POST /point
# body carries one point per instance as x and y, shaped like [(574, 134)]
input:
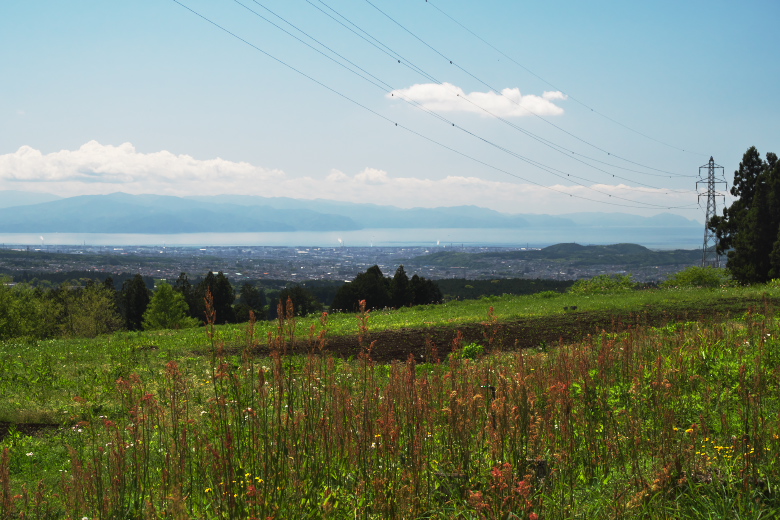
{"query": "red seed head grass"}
[(629, 422)]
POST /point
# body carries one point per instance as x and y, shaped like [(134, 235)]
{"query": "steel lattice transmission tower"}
[(709, 256)]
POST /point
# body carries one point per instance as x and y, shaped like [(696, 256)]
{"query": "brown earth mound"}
[(25, 428)]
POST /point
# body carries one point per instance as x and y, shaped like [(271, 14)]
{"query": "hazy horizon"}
[(517, 107)]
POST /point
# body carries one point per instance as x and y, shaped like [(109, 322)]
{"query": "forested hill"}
[(575, 255)]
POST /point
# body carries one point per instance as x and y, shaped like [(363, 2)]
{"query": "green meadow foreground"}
[(637, 420)]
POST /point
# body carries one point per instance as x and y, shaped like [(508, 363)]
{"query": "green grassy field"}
[(678, 421)]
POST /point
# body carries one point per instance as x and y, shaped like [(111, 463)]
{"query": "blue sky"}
[(147, 97)]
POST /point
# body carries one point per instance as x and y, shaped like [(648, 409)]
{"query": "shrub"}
[(696, 276), (774, 283), (470, 351), (167, 310), (604, 283)]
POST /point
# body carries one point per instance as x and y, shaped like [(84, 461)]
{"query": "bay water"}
[(688, 237)]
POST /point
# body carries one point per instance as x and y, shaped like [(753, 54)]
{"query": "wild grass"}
[(676, 422), (39, 378)]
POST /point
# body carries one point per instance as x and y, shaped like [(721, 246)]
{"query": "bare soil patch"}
[(25, 428), (531, 332)]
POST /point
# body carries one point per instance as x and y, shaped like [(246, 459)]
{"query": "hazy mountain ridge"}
[(153, 214), (14, 198), (163, 214)]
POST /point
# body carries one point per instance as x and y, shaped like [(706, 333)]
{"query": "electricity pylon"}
[(709, 256)]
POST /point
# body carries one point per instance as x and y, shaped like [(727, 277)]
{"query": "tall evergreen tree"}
[(425, 291), (749, 230), (134, 299), (370, 286), (380, 292), (223, 294), (194, 301), (401, 293), (304, 302), (250, 298)]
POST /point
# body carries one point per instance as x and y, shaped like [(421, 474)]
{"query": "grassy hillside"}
[(628, 255), (668, 411)]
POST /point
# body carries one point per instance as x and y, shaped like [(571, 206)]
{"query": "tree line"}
[(89, 307), (379, 292)]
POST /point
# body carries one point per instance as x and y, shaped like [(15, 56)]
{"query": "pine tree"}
[(304, 302), (401, 293), (425, 291), (380, 292), (370, 286), (749, 230), (223, 294), (194, 302), (250, 298), (134, 299)]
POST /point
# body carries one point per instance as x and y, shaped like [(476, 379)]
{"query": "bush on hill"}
[(696, 276), (604, 283)]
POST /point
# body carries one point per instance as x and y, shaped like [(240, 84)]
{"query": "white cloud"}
[(510, 102), (337, 176), (372, 176), (554, 94), (97, 169)]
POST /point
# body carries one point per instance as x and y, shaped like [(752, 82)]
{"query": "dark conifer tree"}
[(425, 291), (370, 286), (194, 301), (250, 298), (304, 302), (134, 299), (749, 230), (223, 294), (346, 299), (380, 292), (401, 293)]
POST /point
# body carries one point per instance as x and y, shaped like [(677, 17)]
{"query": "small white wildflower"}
[(30, 454)]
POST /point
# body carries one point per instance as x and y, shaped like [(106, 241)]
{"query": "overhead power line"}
[(634, 204), (374, 79), (576, 100), (488, 85), (562, 149)]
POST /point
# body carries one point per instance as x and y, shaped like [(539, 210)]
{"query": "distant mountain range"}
[(12, 198), (26, 212)]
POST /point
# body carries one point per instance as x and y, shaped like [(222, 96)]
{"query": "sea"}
[(688, 237)]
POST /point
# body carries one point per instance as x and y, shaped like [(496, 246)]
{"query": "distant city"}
[(328, 263)]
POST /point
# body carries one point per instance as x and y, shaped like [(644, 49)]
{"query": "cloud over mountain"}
[(97, 164), (95, 169)]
